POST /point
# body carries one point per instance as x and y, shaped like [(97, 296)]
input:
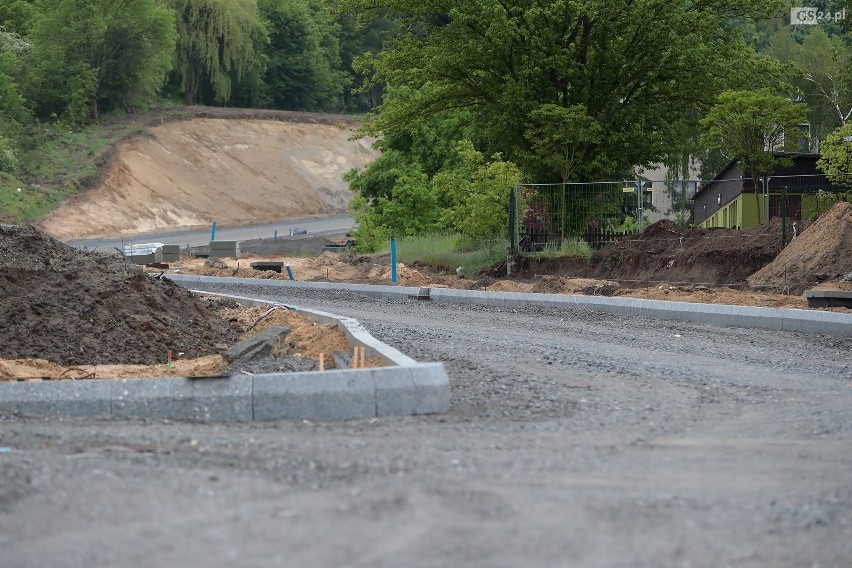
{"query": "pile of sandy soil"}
[(230, 170), (331, 267), (822, 252), (72, 307)]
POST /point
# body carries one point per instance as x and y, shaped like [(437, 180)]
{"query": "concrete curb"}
[(781, 319), (406, 387)]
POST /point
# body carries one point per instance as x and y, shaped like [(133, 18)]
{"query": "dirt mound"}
[(234, 171), (823, 251), (667, 253), (73, 307)]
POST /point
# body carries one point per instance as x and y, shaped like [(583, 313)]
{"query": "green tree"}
[(836, 158), (479, 191), (12, 104), (644, 70), (216, 43), (361, 38), (559, 137), (88, 53), (12, 50), (820, 72), (752, 126), (16, 16), (303, 70)]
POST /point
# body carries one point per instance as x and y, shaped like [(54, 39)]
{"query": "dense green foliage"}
[(468, 98), (64, 63), (753, 126), (87, 53), (836, 159)]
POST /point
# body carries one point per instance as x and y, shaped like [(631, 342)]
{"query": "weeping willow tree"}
[(216, 41)]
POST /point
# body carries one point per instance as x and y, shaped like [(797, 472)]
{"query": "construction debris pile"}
[(75, 307)]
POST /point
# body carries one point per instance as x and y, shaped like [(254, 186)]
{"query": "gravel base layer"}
[(574, 439)]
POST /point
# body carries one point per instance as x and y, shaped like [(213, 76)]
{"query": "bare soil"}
[(72, 314), (73, 307), (719, 266), (232, 168)]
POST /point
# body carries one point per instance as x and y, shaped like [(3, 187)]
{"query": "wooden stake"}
[(355, 357), (322, 361), (363, 357)]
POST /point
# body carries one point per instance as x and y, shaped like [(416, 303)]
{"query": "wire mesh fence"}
[(569, 217), (553, 217)]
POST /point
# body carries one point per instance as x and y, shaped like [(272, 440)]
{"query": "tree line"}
[(71, 60), (586, 90), (465, 98)]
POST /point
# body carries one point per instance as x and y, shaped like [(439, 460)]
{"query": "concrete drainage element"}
[(828, 299), (422, 294), (222, 249), (267, 265), (403, 388)]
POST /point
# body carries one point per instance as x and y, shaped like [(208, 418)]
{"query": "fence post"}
[(783, 216), (639, 204), (513, 220), (765, 199)]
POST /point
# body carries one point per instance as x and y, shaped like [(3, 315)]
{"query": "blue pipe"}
[(290, 272), (393, 260), (213, 232)]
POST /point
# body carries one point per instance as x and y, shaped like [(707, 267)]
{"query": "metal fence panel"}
[(552, 217)]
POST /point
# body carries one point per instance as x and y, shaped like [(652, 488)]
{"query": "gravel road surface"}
[(574, 439)]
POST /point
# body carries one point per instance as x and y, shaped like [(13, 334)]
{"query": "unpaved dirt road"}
[(574, 439)]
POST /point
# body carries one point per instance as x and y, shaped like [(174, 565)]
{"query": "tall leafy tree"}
[(86, 53), (303, 69), (12, 104), (752, 126), (641, 69), (820, 72), (216, 43)]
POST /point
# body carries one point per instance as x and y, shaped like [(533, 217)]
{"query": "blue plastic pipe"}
[(393, 261), (275, 235), (290, 272), (213, 232)]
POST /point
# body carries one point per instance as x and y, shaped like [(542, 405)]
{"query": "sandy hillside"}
[(236, 172)]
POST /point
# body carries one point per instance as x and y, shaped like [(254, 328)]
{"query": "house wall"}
[(739, 213), (718, 194), (712, 205)]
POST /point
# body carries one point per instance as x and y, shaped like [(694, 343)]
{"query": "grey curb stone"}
[(330, 395), (71, 399), (405, 387), (197, 400), (782, 319)]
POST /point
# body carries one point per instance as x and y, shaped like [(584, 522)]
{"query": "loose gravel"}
[(574, 439)]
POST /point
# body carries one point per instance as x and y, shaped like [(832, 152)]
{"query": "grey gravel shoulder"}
[(780, 319)]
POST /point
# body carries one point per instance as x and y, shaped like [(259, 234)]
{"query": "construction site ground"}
[(574, 438)]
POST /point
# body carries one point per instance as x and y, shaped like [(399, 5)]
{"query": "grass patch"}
[(56, 161), (446, 252), (578, 248)]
